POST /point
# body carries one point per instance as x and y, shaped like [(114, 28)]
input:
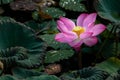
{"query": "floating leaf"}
[(62, 51), (110, 26), (33, 25), (108, 9), (114, 76), (44, 77), (14, 34), (57, 55), (111, 49), (73, 5), (9, 56), (50, 27), (116, 50), (7, 77), (43, 27), (22, 73), (89, 73), (35, 15), (50, 40), (110, 65), (54, 12)]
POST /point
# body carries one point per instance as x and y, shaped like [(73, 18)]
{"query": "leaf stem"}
[(116, 41), (102, 46)]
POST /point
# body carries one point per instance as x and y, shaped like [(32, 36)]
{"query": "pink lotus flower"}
[(85, 30)]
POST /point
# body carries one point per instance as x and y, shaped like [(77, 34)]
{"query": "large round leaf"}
[(111, 65), (44, 77), (14, 34), (89, 73), (57, 55), (7, 77), (108, 9), (22, 73)]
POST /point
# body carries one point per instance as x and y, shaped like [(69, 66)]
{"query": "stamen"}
[(78, 30)]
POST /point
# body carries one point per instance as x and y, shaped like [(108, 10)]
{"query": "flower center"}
[(78, 30)]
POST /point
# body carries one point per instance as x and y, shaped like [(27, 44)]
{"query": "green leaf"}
[(9, 56), (44, 77), (111, 49), (54, 12), (73, 5), (89, 73), (108, 9), (114, 76), (22, 73), (50, 40), (43, 27), (49, 27), (7, 77), (61, 51), (116, 50), (57, 55), (110, 26), (33, 25), (35, 15), (15, 34), (110, 65)]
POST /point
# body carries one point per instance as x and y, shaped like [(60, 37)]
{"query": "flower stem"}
[(80, 59)]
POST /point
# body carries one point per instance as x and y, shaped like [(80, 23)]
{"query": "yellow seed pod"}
[(53, 69)]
